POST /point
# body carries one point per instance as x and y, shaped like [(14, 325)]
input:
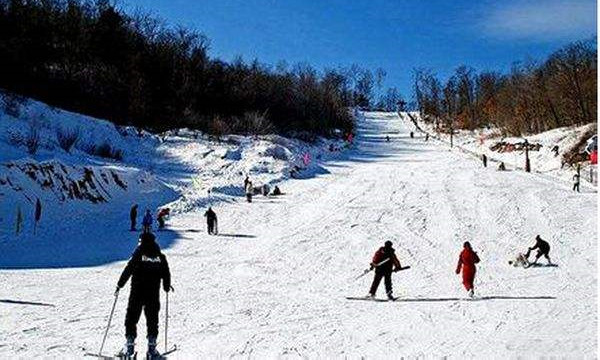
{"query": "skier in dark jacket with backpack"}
[(147, 267), (384, 262), (211, 221)]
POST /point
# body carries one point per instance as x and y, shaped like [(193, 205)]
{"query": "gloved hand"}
[(117, 290), (372, 266), (170, 288)]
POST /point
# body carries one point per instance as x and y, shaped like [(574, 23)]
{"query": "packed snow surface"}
[(273, 283)]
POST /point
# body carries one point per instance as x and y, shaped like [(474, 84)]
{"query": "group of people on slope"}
[(385, 262), (147, 220)]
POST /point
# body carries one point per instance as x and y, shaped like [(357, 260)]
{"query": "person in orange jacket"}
[(467, 260)]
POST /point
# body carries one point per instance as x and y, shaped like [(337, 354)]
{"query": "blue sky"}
[(394, 35)]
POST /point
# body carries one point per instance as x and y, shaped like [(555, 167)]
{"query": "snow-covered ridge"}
[(86, 167)]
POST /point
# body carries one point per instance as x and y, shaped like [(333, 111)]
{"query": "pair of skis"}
[(133, 357), (366, 271)]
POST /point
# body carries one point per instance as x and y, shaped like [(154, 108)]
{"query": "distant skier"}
[(387, 138), (427, 137), (543, 248), (147, 267), (412, 134), (249, 191), (502, 167), (484, 160), (19, 221), (466, 261), (246, 181), (147, 222), (211, 221), (384, 262), (133, 216), (162, 215), (576, 178), (37, 215)]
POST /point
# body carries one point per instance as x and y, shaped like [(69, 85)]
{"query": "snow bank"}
[(108, 168)]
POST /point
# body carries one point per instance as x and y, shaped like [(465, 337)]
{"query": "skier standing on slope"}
[(133, 216), (147, 222), (147, 267), (576, 178), (543, 248), (211, 221), (385, 262), (249, 191), (467, 260)]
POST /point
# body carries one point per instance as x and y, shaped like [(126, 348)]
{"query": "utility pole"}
[(451, 133), (527, 163)]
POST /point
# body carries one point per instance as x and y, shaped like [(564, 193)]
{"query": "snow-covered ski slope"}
[(273, 283)]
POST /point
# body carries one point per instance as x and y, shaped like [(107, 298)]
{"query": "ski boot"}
[(128, 352), (471, 293), (152, 353), (391, 297)]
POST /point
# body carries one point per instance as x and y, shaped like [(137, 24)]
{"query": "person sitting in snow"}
[(277, 191), (147, 222), (211, 221), (466, 262), (146, 268), (543, 248), (384, 262), (520, 260), (501, 167)]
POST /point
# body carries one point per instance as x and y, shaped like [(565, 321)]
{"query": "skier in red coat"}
[(467, 260)]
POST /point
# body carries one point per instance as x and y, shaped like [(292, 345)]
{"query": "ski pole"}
[(166, 319), (112, 311)]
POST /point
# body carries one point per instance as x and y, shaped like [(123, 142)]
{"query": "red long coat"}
[(467, 260)]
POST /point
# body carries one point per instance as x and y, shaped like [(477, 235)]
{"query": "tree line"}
[(132, 69), (533, 97)]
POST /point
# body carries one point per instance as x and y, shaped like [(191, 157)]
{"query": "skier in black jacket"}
[(147, 267), (211, 221), (543, 248)]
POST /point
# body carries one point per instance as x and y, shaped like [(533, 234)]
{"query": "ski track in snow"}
[(274, 283)]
